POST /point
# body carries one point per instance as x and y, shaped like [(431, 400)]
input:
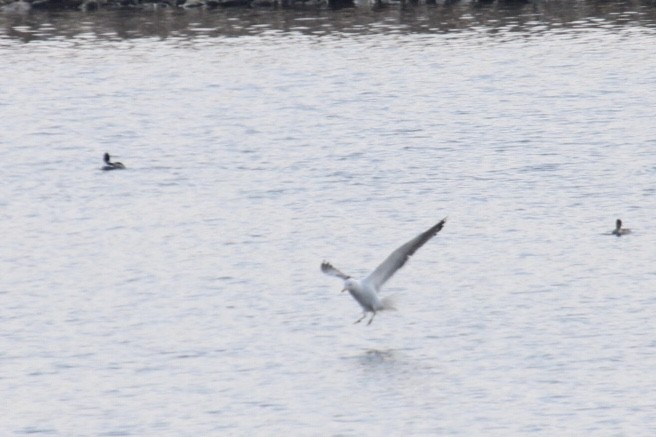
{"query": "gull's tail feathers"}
[(389, 303)]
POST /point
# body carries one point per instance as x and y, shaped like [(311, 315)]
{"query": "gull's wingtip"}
[(329, 269)]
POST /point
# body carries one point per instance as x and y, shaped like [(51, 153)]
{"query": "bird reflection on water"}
[(378, 356)]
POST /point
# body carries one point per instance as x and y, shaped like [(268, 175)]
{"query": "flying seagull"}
[(619, 230), (365, 291)]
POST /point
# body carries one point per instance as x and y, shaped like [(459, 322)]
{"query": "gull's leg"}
[(372, 318), (364, 314)]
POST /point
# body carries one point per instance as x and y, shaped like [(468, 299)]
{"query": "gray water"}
[(183, 297)]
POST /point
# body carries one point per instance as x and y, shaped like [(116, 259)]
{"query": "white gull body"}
[(365, 291)]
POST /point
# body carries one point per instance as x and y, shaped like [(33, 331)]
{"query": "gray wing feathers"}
[(400, 256), (328, 269)]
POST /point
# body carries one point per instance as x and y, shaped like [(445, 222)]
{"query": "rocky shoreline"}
[(19, 6), (91, 5)]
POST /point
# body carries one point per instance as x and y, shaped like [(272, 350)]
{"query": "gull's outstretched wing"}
[(328, 269), (400, 256)]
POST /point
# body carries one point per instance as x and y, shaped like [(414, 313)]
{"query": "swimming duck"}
[(111, 165), (619, 231)]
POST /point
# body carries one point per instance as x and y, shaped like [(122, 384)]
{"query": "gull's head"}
[(350, 284), (618, 224)]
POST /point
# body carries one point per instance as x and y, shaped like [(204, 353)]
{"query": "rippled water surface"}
[(182, 296)]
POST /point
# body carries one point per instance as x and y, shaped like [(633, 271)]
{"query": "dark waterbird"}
[(619, 230), (111, 165)]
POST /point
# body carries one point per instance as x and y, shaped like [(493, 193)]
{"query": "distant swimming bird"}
[(619, 231), (111, 165), (365, 291)]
